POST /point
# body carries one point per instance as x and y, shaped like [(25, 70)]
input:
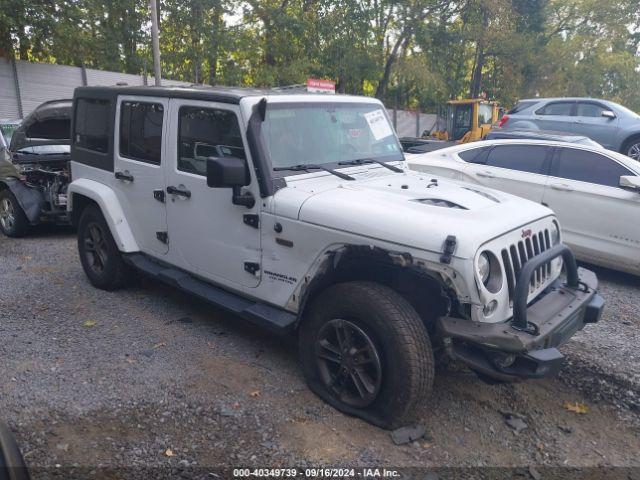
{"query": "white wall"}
[(40, 82)]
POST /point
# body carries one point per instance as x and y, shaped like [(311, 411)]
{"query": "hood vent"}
[(437, 202), (484, 194)]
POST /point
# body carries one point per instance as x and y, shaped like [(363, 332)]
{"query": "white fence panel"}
[(168, 83), (407, 122), (8, 97), (101, 77), (40, 82)]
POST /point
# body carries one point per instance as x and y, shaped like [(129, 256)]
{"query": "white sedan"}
[(594, 192)]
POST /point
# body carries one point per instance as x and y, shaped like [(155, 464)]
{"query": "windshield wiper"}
[(364, 161), (306, 168)]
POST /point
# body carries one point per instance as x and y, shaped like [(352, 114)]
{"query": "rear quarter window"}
[(473, 155), (92, 124), (92, 131), (520, 106)]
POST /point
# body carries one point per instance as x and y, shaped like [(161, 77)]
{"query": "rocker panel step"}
[(261, 314)]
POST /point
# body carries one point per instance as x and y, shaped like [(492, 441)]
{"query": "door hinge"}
[(252, 267), (251, 219), (159, 195), (163, 237)]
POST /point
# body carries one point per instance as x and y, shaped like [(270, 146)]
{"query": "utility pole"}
[(155, 41)]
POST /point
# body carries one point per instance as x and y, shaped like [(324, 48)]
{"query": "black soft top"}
[(198, 92)]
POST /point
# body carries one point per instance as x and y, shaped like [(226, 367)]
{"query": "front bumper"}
[(525, 347)]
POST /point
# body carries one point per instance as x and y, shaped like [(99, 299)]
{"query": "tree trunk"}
[(476, 78), (382, 85), (196, 31), (213, 43)]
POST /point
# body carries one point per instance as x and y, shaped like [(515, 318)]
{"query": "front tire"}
[(13, 221), (365, 351), (632, 148), (101, 260)]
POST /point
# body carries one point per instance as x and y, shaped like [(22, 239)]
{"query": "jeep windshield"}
[(328, 133)]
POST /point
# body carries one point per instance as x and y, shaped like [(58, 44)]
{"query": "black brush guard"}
[(521, 294), (525, 345)]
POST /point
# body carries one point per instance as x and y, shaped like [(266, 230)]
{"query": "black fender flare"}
[(30, 200)]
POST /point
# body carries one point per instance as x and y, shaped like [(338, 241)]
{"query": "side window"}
[(556, 108), (485, 113), (473, 155), (92, 124), (141, 131), (585, 166), (585, 109), (525, 158), (204, 133)]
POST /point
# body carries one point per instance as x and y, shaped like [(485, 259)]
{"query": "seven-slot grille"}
[(516, 255)]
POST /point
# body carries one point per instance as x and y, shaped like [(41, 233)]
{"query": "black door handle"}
[(171, 190), (124, 176)]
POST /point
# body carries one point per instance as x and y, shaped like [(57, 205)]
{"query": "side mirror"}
[(230, 172), (630, 182), (226, 172), (608, 114)]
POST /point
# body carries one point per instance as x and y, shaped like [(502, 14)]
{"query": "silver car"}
[(611, 125)]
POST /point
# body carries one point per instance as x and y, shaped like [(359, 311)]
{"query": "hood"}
[(410, 209), (48, 124)]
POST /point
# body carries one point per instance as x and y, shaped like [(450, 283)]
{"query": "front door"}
[(516, 169), (207, 232), (140, 152), (590, 122), (598, 218)]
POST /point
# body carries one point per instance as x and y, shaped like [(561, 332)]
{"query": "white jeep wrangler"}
[(298, 213)]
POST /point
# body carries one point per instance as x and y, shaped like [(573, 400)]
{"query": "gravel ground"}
[(149, 378)]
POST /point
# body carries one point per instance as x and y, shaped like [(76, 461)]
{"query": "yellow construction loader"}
[(467, 120)]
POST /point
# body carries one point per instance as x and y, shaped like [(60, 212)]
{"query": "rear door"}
[(599, 219), (557, 116), (589, 122), (141, 126), (518, 169)]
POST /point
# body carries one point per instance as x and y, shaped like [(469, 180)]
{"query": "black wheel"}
[(13, 221), (12, 466), (632, 148), (101, 260), (365, 351)]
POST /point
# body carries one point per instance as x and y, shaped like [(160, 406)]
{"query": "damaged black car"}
[(33, 182)]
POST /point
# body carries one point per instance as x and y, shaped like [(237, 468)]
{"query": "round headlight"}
[(484, 267), (555, 233)]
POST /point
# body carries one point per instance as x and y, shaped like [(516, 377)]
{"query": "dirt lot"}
[(149, 378)]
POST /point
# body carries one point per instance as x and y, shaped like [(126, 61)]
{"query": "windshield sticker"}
[(282, 113), (355, 132), (378, 124)]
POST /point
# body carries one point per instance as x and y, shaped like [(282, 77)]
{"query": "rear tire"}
[(386, 371), (101, 260), (13, 221)]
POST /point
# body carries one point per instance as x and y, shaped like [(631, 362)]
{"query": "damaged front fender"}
[(323, 269), (30, 200)]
